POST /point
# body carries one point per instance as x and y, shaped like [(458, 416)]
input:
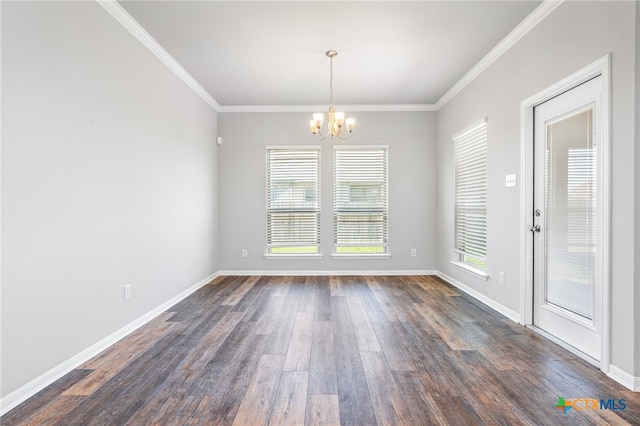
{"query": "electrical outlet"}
[(500, 277), (414, 252), (245, 253), (127, 292)]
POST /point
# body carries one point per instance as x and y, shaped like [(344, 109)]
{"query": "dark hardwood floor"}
[(329, 350)]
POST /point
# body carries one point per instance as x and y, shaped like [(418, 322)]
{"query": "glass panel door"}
[(566, 292), (570, 209)]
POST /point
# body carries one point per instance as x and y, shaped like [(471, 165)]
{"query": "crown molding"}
[(530, 22), (127, 21), (316, 108)]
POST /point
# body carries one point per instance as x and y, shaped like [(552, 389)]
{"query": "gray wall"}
[(412, 173), (573, 36), (108, 178), (637, 186)]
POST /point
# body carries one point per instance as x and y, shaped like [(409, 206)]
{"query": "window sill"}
[(361, 256), (480, 273), (285, 256)]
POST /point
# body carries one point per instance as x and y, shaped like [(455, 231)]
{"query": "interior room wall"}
[(637, 187), (573, 36), (108, 178), (412, 173)]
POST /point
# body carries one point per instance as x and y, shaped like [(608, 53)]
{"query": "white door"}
[(567, 296)]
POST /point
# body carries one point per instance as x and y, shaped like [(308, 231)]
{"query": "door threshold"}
[(565, 345)]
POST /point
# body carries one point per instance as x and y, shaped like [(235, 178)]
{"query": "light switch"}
[(510, 180)]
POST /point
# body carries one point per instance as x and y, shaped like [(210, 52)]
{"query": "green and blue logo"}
[(582, 404)]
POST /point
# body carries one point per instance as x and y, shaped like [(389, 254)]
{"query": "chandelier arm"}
[(340, 137), (321, 137)]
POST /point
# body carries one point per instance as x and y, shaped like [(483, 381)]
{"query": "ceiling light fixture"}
[(336, 119)]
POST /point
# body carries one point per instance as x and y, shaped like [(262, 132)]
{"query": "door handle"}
[(535, 228)]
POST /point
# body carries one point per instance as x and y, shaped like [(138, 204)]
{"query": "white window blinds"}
[(293, 200), (470, 150), (360, 199)]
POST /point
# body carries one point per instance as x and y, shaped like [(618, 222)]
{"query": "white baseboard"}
[(325, 273), (625, 379), (20, 395), (512, 315)]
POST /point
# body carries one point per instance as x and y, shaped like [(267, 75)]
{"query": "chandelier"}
[(336, 120)]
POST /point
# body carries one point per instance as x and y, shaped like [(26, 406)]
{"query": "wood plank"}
[(355, 403), (322, 308), (357, 288), (385, 396), (308, 299), (227, 376), (299, 353), (126, 392), (266, 323), (386, 301), (336, 286), (323, 410), (47, 402), (365, 336), (211, 342), (253, 298), (278, 342), (290, 404), (165, 399), (142, 338), (441, 327), (281, 285), (258, 400), (393, 344), (421, 405), (340, 316), (322, 365), (240, 292)]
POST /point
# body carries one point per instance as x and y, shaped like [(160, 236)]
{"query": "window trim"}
[(473, 270), (386, 254), (283, 256), (460, 255)]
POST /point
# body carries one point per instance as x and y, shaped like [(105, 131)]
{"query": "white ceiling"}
[(273, 53)]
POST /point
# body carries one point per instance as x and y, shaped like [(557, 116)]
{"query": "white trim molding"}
[(289, 256), (339, 273), (131, 25), (316, 108), (25, 392), (500, 308), (470, 269), (370, 256), (625, 379), (529, 23)]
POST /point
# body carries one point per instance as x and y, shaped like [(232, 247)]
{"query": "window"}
[(470, 153), (293, 200), (360, 200)]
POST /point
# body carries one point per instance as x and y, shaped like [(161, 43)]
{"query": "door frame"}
[(600, 67)]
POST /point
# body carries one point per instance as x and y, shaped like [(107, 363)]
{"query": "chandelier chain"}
[(331, 80)]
